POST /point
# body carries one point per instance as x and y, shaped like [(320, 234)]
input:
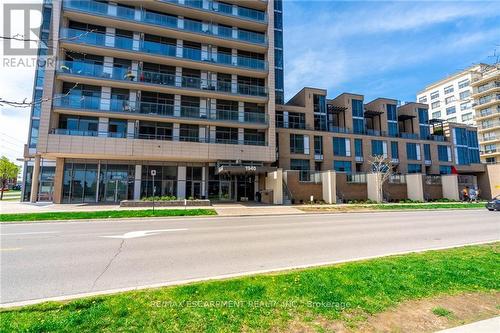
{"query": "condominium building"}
[(486, 95), (316, 134), (450, 99), (185, 98), (182, 87)]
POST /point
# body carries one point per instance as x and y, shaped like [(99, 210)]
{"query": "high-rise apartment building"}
[(184, 87), (486, 95), (450, 99)]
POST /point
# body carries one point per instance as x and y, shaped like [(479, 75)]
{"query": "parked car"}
[(494, 204)]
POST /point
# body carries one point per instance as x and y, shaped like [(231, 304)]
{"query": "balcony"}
[(166, 21), (145, 136), (224, 9), (488, 126), (156, 78), (487, 113), (487, 87), (97, 104), (164, 50), (488, 151)]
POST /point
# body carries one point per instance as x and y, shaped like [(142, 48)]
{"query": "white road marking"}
[(142, 233), (30, 233)]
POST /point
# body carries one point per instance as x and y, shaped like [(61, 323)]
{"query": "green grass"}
[(107, 214), (442, 312), (349, 292), (456, 205)]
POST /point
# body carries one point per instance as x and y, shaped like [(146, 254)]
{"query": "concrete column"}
[(234, 57), (202, 132), (112, 9), (102, 129), (180, 22), (212, 134), (181, 182), (109, 39), (373, 184), (204, 182), (35, 179), (241, 112), (235, 33), (274, 182), (241, 136), (204, 52), (415, 186), (177, 105), (176, 131), (450, 187), (329, 186), (108, 66), (135, 69), (204, 80), (131, 129), (105, 98), (136, 42), (203, 108), (285, 119), (234, 83), (58, 180), (137, 182), (179, 49), (133, 101), (137, 14), (178, 76)]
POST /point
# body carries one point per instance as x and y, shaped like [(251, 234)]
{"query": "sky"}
[(374, 48)]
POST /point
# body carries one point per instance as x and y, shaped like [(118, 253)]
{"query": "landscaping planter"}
[(169, 203)]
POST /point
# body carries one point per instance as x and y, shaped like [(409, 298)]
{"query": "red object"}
[(454, 170)]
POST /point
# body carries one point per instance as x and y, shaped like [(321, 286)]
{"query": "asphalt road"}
[(42, 260)]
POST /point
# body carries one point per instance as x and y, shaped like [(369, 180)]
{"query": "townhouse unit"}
[(486, 95), (450, 99), (184, 87), (316, 134)]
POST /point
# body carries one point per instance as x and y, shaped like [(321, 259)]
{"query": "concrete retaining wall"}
[(170, 203)]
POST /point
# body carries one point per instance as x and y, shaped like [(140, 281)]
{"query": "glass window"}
[(427, 152), (318, 145), (422, 99), (449, 100), (296, 143), (342, 166), (358, 126), (411, 151), (357, 108), (443, 153), (435, 105), (358, 147), (450, 110), (393, 128), (394, 149), (414, 168), (448, 90), (444, 169), (436, 115), (463, 83), (467, 117), (340, 147), (377, 148), (391, 112), (465, 94), (434, 95)]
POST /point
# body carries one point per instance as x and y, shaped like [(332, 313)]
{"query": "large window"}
[(342, 166), (444, 169), (444, 153), (341, 147), (358, 147), (379, 148), (318, 145), (357, 108), (297, 144), (302, 166), (427, 152), (394, 149), (413, 151), (414, 168), (165, 180), (391, 112)]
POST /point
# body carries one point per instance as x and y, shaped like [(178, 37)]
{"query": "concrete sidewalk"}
[(223, 209), (484, 326)]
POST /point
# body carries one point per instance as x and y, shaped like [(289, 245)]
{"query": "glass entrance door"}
[(116, 190), (245, 188)]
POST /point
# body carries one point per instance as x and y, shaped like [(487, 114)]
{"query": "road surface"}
[(44, 260)]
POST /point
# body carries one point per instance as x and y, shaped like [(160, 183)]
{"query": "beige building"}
[(450, 99), (486, 95), (185, 88)]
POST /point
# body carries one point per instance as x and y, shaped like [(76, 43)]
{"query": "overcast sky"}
[(379, 49)]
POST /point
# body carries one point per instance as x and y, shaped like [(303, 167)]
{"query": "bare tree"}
[(383, 167)]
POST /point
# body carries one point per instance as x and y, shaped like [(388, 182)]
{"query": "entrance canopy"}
[(244, 169)]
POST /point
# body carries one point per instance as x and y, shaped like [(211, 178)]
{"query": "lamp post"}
[(153, 174)]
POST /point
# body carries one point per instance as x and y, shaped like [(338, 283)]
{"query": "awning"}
[(244, 169)]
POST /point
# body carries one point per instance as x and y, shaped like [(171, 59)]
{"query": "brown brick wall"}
[(349, 191), (302, 191)]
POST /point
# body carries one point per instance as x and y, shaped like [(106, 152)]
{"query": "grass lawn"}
[(348, 293), (107, 214), (394, 206)]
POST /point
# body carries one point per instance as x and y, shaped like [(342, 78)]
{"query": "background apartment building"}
[(450, 99), (486, 95), (184, 87)]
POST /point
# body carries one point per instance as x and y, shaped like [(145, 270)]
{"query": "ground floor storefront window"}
[(94, 182)]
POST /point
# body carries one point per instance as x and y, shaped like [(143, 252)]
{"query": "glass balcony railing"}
[(224, 9), (167, 50), (168, 21), (126, 74), (96, 103)]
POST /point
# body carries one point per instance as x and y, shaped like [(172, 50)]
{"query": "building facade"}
[(450, 99), (185, 98), (486, 95), (182, 87)]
